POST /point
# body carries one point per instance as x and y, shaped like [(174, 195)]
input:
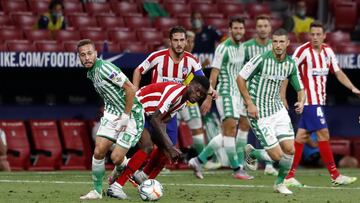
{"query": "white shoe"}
[(250, 163), (343, 180), (115, 190), (292, 182), (196, 166), (210, 165), (139, 177), (93, 194), (281, 188), (270, 170)]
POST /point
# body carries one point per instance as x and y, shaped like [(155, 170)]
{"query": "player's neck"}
[(316, 48), (279, 57), (176, 57), (261, 41)]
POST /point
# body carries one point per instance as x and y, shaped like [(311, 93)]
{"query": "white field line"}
[(182, 184)]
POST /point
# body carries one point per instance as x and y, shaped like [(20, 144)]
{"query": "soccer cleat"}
[(93, 194), (292, 182), (282, 189), (115, 190), (210, 165), (343, 180), (196, 166), (270, 170), (139, 176), (250, 163), (242, 175)]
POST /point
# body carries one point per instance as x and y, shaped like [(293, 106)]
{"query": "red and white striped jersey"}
[(314, 68), (164, 68), (165, 96)]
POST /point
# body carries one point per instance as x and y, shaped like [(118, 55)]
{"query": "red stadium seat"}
[(123, 7), (17, 144), (10, 34), (204, 8), (276, 23), (348, 48), (46, 145), (304, 37), (202, 1), (70, 46), (175, 1), (122, 36), (255, 9), (218, 23), (356, 148), (49, 46), (72, 7), (231, 9), (112, 46), (11, 6), (340, 146), (96, 8), (137, 22), (67, 35), (346, 16), (250, 33), (82, 21), (136, 47), (33, 35), (3, 47), (107, 22), (292, 47), (5, 20), (18, 46), (185, 22), (24, 20), (213, 15), (165, 23), (94, 35), (39, 7), (335, 38), (292, 37), (76, 145), (250, 24), (177, 8), (150, 37)]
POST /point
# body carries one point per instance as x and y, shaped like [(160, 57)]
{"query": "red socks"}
[(134, 164), (328, 158), (297, 158), (156, 163)]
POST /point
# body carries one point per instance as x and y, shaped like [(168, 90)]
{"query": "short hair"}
[(84, 42), (236, 19), (190, 33), (263, 17), (317, 24), (280, 31), (202, 80), (53, 3), (177, 29)]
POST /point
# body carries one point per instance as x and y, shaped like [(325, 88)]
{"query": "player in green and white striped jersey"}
[(123, 119), (227, 63), (258, 45), (268, 116)]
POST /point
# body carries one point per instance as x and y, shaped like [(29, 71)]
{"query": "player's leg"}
[(191, 114), (242, 138), (4, 164)]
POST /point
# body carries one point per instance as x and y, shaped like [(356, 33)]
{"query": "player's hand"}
[(252, 111), (173, 154), (356, 91), (206, 105), (122, 122), (299, 107), (213, 93)]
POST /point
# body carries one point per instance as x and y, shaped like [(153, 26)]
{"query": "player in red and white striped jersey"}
[(160, 101), (314, 60)]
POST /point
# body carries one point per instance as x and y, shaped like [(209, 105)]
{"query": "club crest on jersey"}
[(113, 75), (185, 70)]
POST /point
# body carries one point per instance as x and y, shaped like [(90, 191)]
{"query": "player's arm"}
[(283, 93), (130, 91), (296, 82), (144, 67), (343, 79), (136, 78)]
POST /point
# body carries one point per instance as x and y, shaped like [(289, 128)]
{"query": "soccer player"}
[(314, 60), (4, 164), (267, 114), (258, 45), (228, 60), (160, 101), (123, 119)]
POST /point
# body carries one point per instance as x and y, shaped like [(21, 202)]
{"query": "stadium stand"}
[(97, 8), (122, 36), (340, 146), (67, 35), (15, 5), (39, 7), (33, 35), (107, 22), (346, 16), (49, 46), (20, 46)]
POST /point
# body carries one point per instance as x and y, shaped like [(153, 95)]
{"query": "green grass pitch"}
[(179, 186)]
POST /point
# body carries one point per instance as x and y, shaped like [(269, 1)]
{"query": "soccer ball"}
[(151, 190)]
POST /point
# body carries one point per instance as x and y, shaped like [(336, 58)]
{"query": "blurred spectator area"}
[(126, 26)]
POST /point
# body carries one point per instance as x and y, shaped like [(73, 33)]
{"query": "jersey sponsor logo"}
[(185, 70), (320, 71), (169, 79), (274, 77)]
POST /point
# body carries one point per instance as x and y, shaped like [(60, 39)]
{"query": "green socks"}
[(241, 141), (229, 145), (98, 172), (198, 142), (212, 146), (284, 167)]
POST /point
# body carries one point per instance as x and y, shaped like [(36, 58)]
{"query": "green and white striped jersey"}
[(108, 81), (264, 75), (252, 48), (229, 59)]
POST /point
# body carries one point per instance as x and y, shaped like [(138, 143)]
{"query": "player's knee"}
[(275, 156), (147, 149), (99, 153), (116, 158)]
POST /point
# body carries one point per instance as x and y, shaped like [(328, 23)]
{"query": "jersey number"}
[(319, 112)]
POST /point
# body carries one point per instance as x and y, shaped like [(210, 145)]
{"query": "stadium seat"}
[(11, 6), (39, 7), (348, 48), (135, 47), (165, 23), (340, 146), (292, 37), (356, 148), (150, 37), (3, 47), (17, 144), (82, 21), (72, 7), (96, 8), (5, 20), (10, 34), (76, 145), (346, 16), (255, 9), (107, 22), (19, 46), (292, 47), (95, 35), (335, 38), (174, 1), (111, 46), (177, 8), (185, 22), (276, 23), (204, 7), (218, 23), (122, 36), (123, 7), (250, 24), (213, 15), (49, 46), (33, 35), (230, 9), (70, 46), (202, 1), (137, 22), (250, 33), (46, 146), (304, 37), (24, 20), (67, 35)]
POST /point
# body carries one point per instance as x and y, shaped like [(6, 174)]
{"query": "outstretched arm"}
[(206, 105), (136, 78), (340, 75)]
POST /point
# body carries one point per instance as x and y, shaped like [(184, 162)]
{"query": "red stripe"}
[(185, 74), (155, 74), (150, 109), (322, 77), (189, 55), (175, 71), (157, 54), (305, 80), (165, 66), (314, 77)]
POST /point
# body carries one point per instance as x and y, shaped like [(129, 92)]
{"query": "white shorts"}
[(230, 107), (273, 129), (126, 139), (3, 137), (191, 114)]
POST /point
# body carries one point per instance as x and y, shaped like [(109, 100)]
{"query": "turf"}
[(179, 186)]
